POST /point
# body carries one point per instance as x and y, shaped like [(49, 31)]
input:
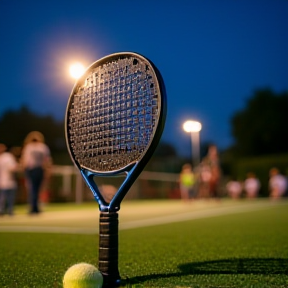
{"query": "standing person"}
[(251, 186), (234, 188), (211, 162), (204, 179), (187, 182), (277, 184), (8, 183), (36, 161)]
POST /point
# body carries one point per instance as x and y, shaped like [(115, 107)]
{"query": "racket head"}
[(115, 117)]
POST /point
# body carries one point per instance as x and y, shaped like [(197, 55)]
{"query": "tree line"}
[(261, 127), (16, 124)]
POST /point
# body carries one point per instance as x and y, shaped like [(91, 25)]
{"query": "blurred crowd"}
[(201, 182), (34, 160), (250, 187), (204, 181)]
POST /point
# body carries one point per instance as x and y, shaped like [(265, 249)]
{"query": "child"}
[(187, 182)]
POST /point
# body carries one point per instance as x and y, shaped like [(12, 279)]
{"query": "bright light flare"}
[(192, 126), (76, 70)]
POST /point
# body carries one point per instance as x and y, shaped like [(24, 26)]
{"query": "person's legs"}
[(184, 192), (2, 201), (35, 178), (10, 198)]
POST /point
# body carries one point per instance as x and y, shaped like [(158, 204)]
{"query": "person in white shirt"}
[(35, 160), (277, 184), (8, 183), (234, 188), (251, 186)]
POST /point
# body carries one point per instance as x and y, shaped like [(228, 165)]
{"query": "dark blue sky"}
[(212, 54)]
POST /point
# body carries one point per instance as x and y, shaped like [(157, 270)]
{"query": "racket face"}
[(115, 114)]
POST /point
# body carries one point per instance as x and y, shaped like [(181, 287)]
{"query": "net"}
[(113, 114)]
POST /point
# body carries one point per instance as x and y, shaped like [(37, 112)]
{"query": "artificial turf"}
[(248, 249)]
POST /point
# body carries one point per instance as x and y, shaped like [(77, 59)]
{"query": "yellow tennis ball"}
[(82, 275)]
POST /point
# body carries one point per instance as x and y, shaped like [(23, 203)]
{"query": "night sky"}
[(212, 54)]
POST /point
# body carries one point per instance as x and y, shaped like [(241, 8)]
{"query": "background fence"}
[(67, 185)]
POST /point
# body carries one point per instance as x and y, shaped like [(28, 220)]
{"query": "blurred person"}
[(234, 188), (187, 182), (204, 179), (8, 183), (277, 183), (211, 162), (16, 151), (36, 162), (251, 186)]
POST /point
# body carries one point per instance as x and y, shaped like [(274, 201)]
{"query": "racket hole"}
[(135, 62)]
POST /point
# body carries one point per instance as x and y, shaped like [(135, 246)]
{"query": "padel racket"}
[(114, 120)]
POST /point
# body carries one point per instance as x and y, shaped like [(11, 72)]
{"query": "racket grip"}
[(108, 249)]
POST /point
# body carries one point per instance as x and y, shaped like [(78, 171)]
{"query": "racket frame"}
[(133, 169)]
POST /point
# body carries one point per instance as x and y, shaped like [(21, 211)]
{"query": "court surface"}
[(162, 243), (84, 218)]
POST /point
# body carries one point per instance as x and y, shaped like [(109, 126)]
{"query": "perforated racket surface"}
[(114, 120)]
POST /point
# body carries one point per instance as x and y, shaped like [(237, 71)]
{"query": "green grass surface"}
[(241, 244)]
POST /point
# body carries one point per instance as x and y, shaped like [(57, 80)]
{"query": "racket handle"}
[(108, 249)]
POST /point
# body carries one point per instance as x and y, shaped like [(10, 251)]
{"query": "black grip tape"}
[(108, 248)]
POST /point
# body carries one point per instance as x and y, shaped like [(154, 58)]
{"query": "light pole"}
[(194, 127)]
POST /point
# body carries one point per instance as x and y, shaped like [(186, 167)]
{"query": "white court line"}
[(160, 220), (49, 229), (219, 211)]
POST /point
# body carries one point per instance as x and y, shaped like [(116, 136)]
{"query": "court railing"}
[(67, 184)]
